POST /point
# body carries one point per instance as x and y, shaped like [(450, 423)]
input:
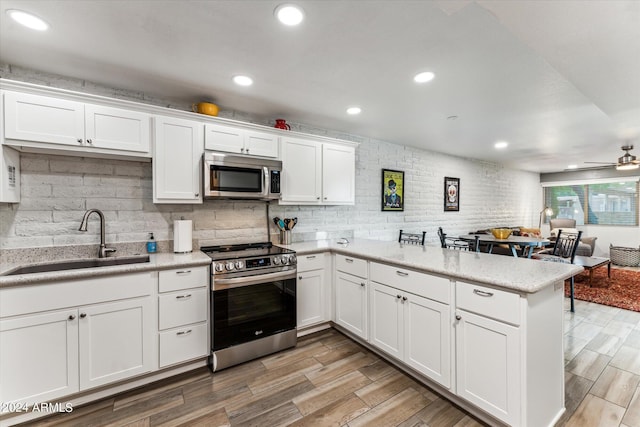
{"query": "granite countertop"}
[(157, 261), (516, 274)]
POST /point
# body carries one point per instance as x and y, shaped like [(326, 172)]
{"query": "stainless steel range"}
[(253, 302)]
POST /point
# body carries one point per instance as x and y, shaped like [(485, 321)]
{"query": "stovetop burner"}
[(244, 250)]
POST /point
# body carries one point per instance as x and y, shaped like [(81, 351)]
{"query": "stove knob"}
[(239, 265), (230, 266), (277, 260), (219, 267), (293, 259), (285, 259)]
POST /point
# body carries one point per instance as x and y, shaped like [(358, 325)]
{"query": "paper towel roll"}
[(182, 236)]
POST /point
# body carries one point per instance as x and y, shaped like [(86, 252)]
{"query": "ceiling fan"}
[(626, 162)]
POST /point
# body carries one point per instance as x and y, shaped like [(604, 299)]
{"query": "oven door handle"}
[(236, 282)]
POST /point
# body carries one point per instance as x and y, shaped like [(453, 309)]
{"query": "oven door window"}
[(235, 179), (251, 312)]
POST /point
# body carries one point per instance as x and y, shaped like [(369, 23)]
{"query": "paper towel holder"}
[(182, 236)]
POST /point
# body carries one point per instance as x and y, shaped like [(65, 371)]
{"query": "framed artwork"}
[(451, 194), (392, 190)]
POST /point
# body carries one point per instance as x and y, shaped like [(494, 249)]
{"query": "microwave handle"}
[(265, 182)]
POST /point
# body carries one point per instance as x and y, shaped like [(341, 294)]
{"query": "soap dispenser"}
[(152, 246)]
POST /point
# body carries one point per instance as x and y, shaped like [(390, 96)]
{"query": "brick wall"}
[(56, 190)]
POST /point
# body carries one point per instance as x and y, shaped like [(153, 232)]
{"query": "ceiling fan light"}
[(627, 166)]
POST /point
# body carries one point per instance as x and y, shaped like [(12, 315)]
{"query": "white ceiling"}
[(558, 80)]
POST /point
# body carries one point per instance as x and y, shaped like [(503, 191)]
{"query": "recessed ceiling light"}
[(289, 14), (501, 144), (572, 166), (28, 20), (427, 76), (243, 80), (354, 110)]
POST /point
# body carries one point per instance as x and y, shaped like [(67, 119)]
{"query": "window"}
[(606, 203)]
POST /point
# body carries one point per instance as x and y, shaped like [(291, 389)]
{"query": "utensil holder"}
[(285, 237)]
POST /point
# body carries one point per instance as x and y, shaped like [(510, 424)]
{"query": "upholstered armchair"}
[(587, 244)]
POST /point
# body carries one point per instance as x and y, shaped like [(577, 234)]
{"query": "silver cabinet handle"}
[(348, 260), (83, 315), (89, 141), (458, 317), (183, 296), (247, 151), (398, 296), (404, 298), (72, 316), (197, 194), (79, 140), (401, 273), (183, 272), (317, 198), (311, 256), (325, 197), (362, 284), (482, 293), (299, 277), (188, 331), (242, 150)]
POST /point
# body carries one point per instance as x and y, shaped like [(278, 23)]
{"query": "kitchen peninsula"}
[(483, 330)]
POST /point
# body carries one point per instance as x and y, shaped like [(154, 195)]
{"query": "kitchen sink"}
[(77, 264)]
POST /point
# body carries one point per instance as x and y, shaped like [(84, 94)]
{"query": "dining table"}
[(524, 243)]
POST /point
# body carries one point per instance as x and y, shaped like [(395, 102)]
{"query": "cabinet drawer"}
[(180, 345), (310, 262), (424, 285), (351, 265), (183, 278), (181, 308), (489, 302)]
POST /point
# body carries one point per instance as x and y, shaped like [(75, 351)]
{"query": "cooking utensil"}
[(295, 221), (287, 223), (281, 225)]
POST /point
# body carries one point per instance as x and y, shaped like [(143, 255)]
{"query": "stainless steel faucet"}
[(104, 250)]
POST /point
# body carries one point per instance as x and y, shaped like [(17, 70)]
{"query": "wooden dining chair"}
[(564, 251), (412, 238)]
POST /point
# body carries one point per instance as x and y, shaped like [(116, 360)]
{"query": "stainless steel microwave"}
[(229, 176)]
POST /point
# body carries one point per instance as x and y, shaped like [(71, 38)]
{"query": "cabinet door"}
[(301, 171), (178, 148), (116, 341), (260, 144), (42, 119), (310, 297), (39, 357), (387, 313), (338, 174), (223, 138), (117, 129), (351, 304), (488, 365), (427, 332)]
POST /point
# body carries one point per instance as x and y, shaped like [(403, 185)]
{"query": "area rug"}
[(621, 290)]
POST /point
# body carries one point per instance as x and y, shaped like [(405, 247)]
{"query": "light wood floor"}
[(330, 380)]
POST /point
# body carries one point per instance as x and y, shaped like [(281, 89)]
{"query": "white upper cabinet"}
[(338, 174), (301, 171), (317, 172), (42, 122), (178, 148), (237, 140)]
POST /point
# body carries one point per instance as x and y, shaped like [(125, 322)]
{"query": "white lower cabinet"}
[(115, 341), (182, 314), (39, 357), (411, 328), (312, 291), (488, 365), (59, 338)]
